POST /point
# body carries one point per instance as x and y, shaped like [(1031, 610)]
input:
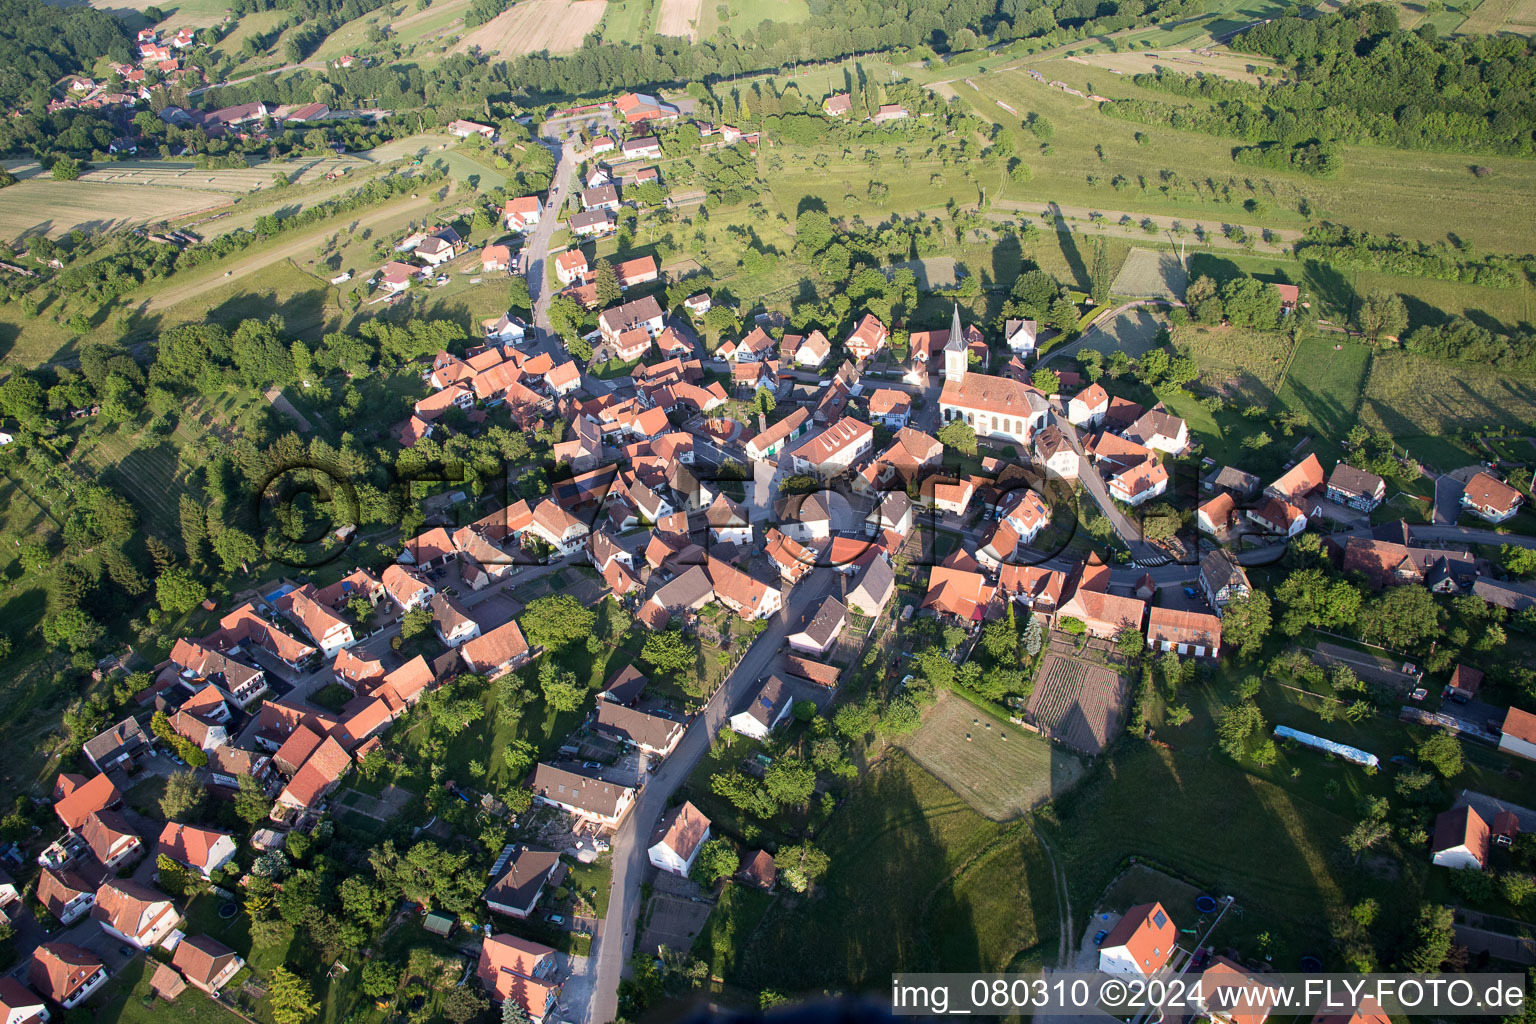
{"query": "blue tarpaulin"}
[(1345, 751)]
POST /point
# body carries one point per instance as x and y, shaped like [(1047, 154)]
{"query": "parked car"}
[(1100, 936), (591, 764), (556, 919)]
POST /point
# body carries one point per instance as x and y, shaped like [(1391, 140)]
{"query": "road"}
[(299, 244), (1142, 552), (537, 246), (612, 944)]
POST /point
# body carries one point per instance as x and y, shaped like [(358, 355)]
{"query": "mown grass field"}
[(444, 19), (1326, 379), (973, 894), (628, 21), (1235, 360), (996, 767), (744, 14)]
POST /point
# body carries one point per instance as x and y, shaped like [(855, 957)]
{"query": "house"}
[(1054, 450), (463, 129), (19, 1004), (759, 870), (496, 653), (1488, 497), (523, 213), (1519, 734), (451, 620), (592, 223), (1131, 470), (76, 798), (640, 147), (1086, 599), (320, 773), (630, 273), (436, 250), (1367, 1011), (890, 407), (329, 633), (558, 528), (117, 746), (603, 197), (503, 330), (406, 587), (1278, 516), (1234, 481), (652, 733), (867, 338), (835, 450), (1019, 336), (812, 350), (65, 894), (960, 593), (643, 314), (111, 839), (770, 441), (519, 970), (65, 973), (679, 835), (135, 913), (874, 589), (1465, 682), (396, 276), (892, 515), (1140, 943), (638, 106), (571, 266), (1195, 633), (1461, 840), (888, 112), (495, 258), (590, 799), (1355, 488), (1159, 430), (603, 144), (1222, 580), (837, 105), (1290, 295), (1297, 484), (1230, 995), (768, 706), (743, 594), (206, 963), (199, 848), (1025, 512), (698, 305), (1087, 407), (516, 890), (1217, 516), (820, 627), (728, 522)]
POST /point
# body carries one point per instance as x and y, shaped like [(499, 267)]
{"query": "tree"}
[(764, 402), (66, 168), (959, 435), (1442, 752), (517, 293), (790, 781), (561, 691), (1519, 561), (1311, 599), (606, 281), (178, 591), (182, 796), (463, 1003), (1401, 616), (1047, 380), (1099, 276), (1433, 935), (380, 978), (1236, 724), (519, 756), (72, 628), (1382, 314), (427, 874), (1000, 641), (289, 997), (801, 867), (251, 802), (512, 1012), (415, 622), (716, 859), (235, 548), (669, 652), (552, 622), (1246, 622), (1203, 299)]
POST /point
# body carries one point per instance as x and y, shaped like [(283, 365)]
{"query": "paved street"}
[(611, 945)]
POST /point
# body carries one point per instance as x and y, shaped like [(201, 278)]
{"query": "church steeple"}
[(955, 354)]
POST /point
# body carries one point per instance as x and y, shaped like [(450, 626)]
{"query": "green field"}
[(740, 15), (627, 21), (1325, 381), (1434, 407), (972, 894)]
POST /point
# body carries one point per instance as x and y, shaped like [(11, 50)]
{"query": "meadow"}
[(996, 767), (627, 21), (975, 894), (678, 18), (1435, 407), (740, 15)]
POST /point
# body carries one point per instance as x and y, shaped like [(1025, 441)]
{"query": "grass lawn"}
[(975, 894), (1240, 362), (741, 15), (730, 927), (1433, 407), (1325, 380), (127, 999), (627, 21)]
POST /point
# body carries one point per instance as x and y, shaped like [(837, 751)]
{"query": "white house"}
[(819, 628), (728, 523), (1088, 406), (1140, 943), (835, 449), (1519, 737), (768, 707), (1019, 336), (558, 528), (1461, 840), (199, 848), (679, 835)]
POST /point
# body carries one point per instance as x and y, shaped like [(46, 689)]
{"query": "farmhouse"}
[(638, 106), (592, 223), (867, 338), (463, 129), (1195, 633), (1519, 734), (65, 973), (206, 963), (770, 441), (571, 266), (834, 450), (1222, 579), (594, 800), (1355, 488), (1488, 497)]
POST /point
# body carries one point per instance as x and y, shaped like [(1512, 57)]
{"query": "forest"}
[(1357, 77), (41, 43)]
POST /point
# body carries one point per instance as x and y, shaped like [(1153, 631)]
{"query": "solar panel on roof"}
[(1159, 919)]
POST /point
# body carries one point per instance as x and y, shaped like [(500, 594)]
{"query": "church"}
[(996, 407)]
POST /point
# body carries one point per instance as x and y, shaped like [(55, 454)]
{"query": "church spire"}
[(956, 332)]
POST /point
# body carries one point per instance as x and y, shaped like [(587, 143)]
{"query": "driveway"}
[(1448, 491), (611, 946)]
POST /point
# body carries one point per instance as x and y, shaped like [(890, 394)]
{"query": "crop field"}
[(1150, 274), (533, 25), (993, 765), (189, 13), (1078, 702), (977, 894), (1242, 67), (441, 20), (42, 206), (678, 18), (1499, 16)]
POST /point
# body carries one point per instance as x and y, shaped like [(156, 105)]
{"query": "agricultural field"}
[(533, 25), (980, 895), (1078, 702), (1325, 380), (189, 13), (442, 20), (1241, 67), (740, 15), (1434, 407), (1151, 274), (627, 21), (1494, 17), (42, 206), (993, 765), (678, 18)]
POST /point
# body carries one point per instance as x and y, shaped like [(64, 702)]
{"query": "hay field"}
[(1149, 274), (1003, 778), (1237, 66), (42, 206), (554, 25), (678, 18), (184, 13)]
